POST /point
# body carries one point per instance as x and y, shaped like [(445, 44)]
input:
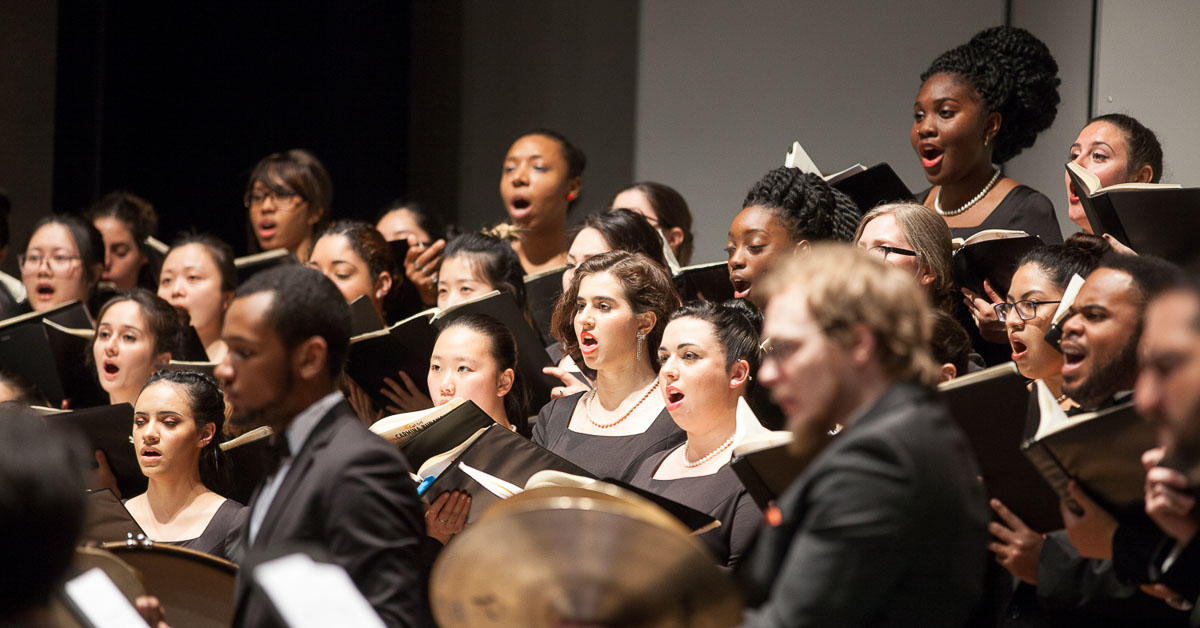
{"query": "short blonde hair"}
[(930, 239), (846, 286)]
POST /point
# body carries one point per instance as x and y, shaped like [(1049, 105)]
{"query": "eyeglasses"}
[(884, 251), (280, 200), (31, 262), (1026, 309)]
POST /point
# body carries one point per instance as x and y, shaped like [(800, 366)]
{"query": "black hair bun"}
[(747, 310), (1017, 77), (1089, 244)]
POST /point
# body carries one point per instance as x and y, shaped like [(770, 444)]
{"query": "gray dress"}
[(616, 457), (721, 495)]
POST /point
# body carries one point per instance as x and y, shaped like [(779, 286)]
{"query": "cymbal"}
[(553, 559), (635, 505)]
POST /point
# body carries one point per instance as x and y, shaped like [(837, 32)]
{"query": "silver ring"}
[(441, 521), (418, 267)]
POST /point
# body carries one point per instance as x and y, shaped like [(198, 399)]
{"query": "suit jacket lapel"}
[(300, 466)]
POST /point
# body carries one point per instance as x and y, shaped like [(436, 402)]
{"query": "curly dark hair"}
[(1016, 76), (648, 288), (808, 206)]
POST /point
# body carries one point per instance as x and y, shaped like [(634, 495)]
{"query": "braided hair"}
[(808, 206), (1016, 76)]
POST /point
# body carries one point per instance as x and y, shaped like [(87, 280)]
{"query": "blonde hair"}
[(844, 286), (930, 239)]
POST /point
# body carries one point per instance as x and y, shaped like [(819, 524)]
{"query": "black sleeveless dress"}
[(616, 457)]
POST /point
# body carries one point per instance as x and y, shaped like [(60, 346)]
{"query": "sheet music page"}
[(309, 594), (101, 602)]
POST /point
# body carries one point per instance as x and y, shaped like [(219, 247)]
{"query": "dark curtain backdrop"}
[(177, 101)]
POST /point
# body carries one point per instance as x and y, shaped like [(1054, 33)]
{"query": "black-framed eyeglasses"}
[(884, 251), (281, 200), (1026, 309)]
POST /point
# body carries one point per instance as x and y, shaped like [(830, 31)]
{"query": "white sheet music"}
[(101, 602), (309, 594)]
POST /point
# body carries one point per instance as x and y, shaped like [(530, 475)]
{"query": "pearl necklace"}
[(587, 408), (692, 465), (937, 199)]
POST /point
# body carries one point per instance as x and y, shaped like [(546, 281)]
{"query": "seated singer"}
[(887, 525), (338, 485)]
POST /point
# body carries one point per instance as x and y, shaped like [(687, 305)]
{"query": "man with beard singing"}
[(1090, 572), (338, 486)]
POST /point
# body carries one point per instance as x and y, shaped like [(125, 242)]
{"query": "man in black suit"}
[(886, 526), (338, 486)]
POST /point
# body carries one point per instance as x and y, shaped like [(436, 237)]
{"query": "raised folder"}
[(990, 255), (1158, 219), (542, 291), (499, 453), (1101, 450), (991, 408), (867, 187), (109, 429), (405, 346), (248, 265), (423, 434), (50, 350)]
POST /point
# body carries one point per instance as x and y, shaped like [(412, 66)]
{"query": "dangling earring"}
[(640, 337), (986, 139)]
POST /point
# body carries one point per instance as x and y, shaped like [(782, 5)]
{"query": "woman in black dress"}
[(981, 104), (708, 354), (612, 318), (177, 425)]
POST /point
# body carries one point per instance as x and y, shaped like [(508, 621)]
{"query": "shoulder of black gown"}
[(553, 419)]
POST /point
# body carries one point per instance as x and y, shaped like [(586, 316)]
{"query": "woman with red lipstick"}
[(288, 196), (1037, 288), (1117, 149), (63, 262), (177, 431), (198, 276), (708, 353), (136, 334), (782, 213), (542, 176), (125, 221), (981, 104), (612, 318)]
